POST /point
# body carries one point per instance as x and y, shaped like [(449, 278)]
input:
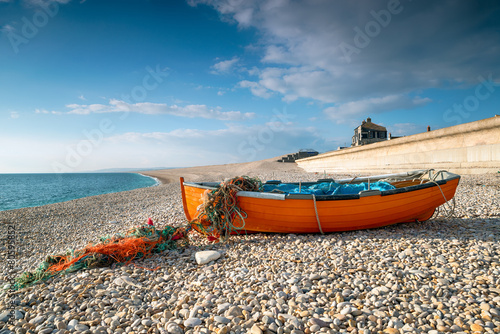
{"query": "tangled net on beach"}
[(219, 215), (217, 218), (137, 243)]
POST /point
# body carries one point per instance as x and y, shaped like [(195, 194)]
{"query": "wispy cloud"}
[(14, 114), (148, 108), (225, 66), (355, 109)]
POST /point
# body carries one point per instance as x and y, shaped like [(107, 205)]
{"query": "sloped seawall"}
[(469, 148)]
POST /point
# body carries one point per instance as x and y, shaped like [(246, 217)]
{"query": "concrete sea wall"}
[(470, 148)]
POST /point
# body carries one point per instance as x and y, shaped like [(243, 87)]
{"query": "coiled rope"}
[(219, 215)]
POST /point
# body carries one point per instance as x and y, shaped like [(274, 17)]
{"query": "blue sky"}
[(86, 85)]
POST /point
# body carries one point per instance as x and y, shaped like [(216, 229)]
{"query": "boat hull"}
[(282, 214)]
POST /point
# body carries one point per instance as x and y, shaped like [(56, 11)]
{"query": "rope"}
[(450, 209), (317, 216), (219, 215)]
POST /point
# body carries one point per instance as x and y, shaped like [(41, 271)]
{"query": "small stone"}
[(234, 311), (223, 307), (476, 328), (319, 322), (485, 306), (443, 281), (173, 328), (391, 331), (61, 324), (346, 310), (37, 320), (221, 320), (100, 330), (267, 320), (444, 270), (118, 281), (442, 328), (195, 311), (206, 256), (72, 324), (167, 314), (222, 330), (18, 315), (314, 277), (81, 327), (256, 329), (147, 322), (5, 316), (314, 328), (192, 322)]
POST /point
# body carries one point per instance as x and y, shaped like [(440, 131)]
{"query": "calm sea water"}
[(26, 190)]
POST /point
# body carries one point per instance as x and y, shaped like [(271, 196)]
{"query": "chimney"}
[(368, 120), (428, 128), (390, 136), (363, 122)]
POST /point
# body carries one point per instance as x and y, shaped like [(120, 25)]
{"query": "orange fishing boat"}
[(405, 197)]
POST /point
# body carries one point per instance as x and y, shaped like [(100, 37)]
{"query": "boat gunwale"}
[(265, 195)]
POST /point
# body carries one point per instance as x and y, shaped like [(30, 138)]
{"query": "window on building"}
[(381, 134), (364, 135)]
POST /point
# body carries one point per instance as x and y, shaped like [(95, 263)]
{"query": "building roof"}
[(372, 126)]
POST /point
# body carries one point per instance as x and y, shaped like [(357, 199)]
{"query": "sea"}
[(28, 190)]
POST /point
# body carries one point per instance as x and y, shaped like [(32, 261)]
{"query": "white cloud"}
[(14, 114), (301, 55), (148, 108), (81, 97), (256, 88), (356, 109), (224, 66)]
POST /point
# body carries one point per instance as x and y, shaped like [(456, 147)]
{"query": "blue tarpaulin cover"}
[(328, 188)]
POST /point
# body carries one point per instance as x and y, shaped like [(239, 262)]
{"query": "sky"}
[(96, 84)]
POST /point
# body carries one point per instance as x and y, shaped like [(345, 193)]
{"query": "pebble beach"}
[(439, 276)]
